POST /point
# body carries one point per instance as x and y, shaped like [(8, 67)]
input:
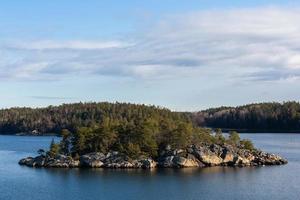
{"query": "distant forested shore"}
[(260, 117), (121, 135), (54, 119)]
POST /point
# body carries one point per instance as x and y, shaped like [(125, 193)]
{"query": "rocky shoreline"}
[(192, 156)]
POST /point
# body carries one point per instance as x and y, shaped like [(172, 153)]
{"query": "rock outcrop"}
[(192, 156)]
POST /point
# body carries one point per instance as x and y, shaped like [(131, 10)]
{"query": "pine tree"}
[(54, 149)]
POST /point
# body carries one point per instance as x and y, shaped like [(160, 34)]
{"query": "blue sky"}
[(184, 55)]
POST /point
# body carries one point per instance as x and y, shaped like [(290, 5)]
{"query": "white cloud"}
[(294, 62), (74, 44), (261, 44)]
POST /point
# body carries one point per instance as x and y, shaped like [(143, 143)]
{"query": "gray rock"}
[(39, 161), (94, 160), (206, 156), (27, 161), (193, 156), (185, 162), (148, 163), (166, 162)]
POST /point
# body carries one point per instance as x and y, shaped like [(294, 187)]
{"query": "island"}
[(140, 136), (253, 118)]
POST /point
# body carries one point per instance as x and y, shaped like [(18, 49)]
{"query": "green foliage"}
[(262, 117), (138, 137), (103, 136), (234, 138), (219, 137), (135, 130), (54, 149), (247, 144), (65, 142), (132, 150), (80, 140), (54, 119), (181, 136)]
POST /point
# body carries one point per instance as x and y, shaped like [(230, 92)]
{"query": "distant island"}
[(118, 135), (262, 117)]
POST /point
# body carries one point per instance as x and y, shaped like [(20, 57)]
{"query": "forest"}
[(261, 117), (131, 129), (54, 119)]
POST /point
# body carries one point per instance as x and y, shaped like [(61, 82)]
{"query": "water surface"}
[(275, 182)]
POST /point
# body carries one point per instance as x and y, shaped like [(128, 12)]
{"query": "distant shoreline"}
[(33, 135), (224, 131), (255, 131)]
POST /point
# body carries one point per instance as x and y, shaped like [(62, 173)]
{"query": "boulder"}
[(207, 157), (211, 159), (94, 160), (74, 164), (115, 159), (60, 161), (203, 155), (241, 161), (185, 162), (166, 162), (39, 161), (262, 158), (148, 163), (227, 156), (27, 161)]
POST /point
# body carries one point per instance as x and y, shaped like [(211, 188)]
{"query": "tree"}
[(181, 136), (247, 144), (104, 136), (234, 138), (79, 141), (220, 139), (147, 141), (65, 142), (133, 150), (53, 150)]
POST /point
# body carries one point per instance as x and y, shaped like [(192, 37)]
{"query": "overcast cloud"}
[(253, 44)]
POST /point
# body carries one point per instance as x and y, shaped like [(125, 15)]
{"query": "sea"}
[(225, 183)]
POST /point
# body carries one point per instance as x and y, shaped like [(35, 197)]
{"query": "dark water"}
[(276, 182)]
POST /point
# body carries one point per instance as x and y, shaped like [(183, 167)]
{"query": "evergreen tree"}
[(54, 149), (234, 138), (65, 142)]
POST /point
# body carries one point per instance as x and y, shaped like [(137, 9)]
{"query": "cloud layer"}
[(259, 44)]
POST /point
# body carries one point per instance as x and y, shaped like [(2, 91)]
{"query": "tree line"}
[(140, 138), (54, 119), (264, 117), (132, 129)]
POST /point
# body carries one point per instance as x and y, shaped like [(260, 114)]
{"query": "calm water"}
[(277, 182)]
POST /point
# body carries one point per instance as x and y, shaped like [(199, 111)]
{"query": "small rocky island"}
[(204, 155), (193, 156), (139, 136)]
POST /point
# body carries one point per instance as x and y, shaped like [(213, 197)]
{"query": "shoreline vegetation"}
[(218, 151), (252, 118), (139, 136)]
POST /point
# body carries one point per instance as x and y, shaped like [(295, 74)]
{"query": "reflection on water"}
[(274, 182), (144, 173)]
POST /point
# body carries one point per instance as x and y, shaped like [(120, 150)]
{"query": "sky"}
[(183, 55)]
